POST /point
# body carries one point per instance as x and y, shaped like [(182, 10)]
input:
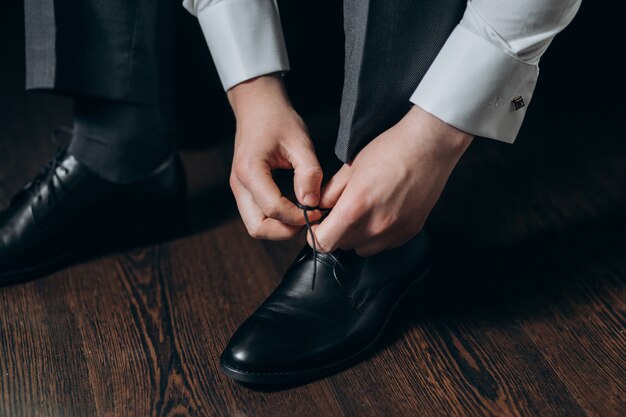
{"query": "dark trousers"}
[(390, 44), (116, 49), (109, 49), (114, 57)]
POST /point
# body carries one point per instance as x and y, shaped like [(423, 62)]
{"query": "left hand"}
[(382, 199), (271, 135)]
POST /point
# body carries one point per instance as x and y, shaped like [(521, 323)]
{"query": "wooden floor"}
[(524, 314)]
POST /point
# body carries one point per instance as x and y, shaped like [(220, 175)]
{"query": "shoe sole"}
[(297, 377)]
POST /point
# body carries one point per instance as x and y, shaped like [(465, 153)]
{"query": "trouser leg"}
[(112, 56), (390, 44)]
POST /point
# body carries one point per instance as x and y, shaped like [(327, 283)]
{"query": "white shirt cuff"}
[(472, 85), (245, 39)]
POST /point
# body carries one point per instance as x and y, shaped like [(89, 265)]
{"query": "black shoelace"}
[(307, 221)]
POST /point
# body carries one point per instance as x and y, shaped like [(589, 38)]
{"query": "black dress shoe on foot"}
[(68, 210), (304, 331)]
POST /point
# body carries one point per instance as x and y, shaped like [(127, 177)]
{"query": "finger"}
[(341, 222), (333, 189), (308, 174), (271, 229), (321, 247), (267, 196), (357, 237), (259, 226)]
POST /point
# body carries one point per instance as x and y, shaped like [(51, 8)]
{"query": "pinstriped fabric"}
[(40, 36), (111, 49), (390, 45)]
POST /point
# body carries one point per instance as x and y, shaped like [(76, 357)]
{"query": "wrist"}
[(264, 92), (440, 138)]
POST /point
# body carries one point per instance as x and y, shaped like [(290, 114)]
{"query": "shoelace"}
[(307, 221)]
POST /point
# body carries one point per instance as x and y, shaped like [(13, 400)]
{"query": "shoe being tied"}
[(304, 332)]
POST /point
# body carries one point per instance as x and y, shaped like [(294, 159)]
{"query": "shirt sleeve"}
[(245, 37), (483, 79)]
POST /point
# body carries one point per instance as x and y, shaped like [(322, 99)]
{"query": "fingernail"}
[(311, 199)]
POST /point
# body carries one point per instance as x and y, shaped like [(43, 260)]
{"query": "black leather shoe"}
[(304, 332), (68, 210)]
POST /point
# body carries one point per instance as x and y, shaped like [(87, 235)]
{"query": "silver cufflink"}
[(518, 103)]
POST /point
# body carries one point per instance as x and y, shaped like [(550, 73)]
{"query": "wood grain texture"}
[(524, 314)]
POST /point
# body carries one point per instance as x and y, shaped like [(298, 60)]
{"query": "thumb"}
[(308, 175), (332, 230), (334, 188)]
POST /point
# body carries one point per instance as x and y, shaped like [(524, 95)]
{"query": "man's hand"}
[(270, 135), (382, 199)]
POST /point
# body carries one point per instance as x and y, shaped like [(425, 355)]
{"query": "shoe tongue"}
[(348, 269), (346, 265)]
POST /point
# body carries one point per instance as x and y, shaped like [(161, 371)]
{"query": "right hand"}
[(271, 135)]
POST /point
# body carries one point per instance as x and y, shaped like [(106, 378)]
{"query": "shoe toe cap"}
[(262, 345)]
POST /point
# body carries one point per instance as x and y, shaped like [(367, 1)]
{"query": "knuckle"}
[(271, 210), (323, 246), (384, 224), (232, 181), (311, 172), (255, 232), (376, 229), (242, 166), (238, 168)]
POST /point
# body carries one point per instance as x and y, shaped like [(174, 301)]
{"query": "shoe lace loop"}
[(305, 210)]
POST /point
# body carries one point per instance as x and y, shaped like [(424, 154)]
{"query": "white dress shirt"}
[(245, 37), (481, 81)]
